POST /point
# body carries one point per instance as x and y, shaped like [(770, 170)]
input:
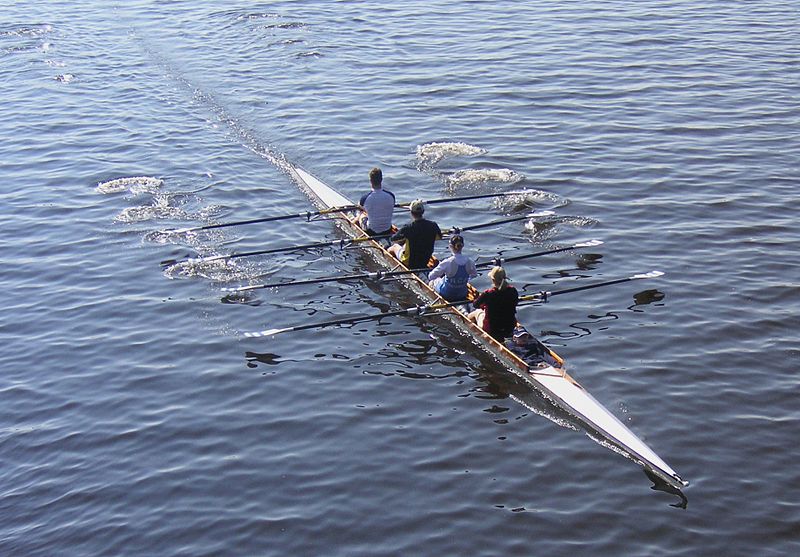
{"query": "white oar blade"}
[(651, 274), (589, 244), (242, 288), (542, 214), (267, 332), (178, 230), (201, 260)]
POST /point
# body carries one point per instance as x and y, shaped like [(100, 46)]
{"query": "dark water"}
[(137, 420)]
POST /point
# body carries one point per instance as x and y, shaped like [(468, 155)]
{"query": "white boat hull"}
[(551, 380)]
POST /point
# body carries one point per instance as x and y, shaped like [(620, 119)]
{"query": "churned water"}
[(137, 419)]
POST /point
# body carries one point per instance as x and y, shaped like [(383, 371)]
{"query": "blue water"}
[(136, 419)]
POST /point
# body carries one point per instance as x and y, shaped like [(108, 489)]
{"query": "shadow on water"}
[(446, 347), (646, 297), (661, 485)]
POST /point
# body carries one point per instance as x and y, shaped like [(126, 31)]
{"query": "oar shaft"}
[(309, 214), (343, 243), (463, 198), (383, 274), (499, 261), (421, 311), (346, 321), (581, 288), (457, 229), (544, 295), (376, 275)]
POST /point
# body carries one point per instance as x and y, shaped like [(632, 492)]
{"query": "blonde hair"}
[(498, 276)]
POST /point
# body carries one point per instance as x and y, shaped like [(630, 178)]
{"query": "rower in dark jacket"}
[(496, 311), (414, 241)]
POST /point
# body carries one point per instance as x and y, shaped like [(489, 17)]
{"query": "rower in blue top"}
[(451, 277)]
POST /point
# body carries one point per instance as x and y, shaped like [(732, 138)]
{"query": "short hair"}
[(375, 177), (417, 207)]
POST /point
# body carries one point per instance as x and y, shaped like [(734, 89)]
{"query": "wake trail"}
[(244, 135)]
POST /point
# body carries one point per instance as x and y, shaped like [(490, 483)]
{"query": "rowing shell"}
[(546, 374)]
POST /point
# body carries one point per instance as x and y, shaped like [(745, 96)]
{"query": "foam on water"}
[(133, 184), (528, 199), (220, 270), (466, 180), (429, 154)]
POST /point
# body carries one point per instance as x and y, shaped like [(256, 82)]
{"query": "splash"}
[(575, 222), (431, 153), (25, 39), (196, 239), (35, 30), (526, 200), (257, 16), (473, 179), (134, 184), (161, 208), (539, 231), (218, 270)]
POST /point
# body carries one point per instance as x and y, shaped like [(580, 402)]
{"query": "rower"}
[(379, 205), (414, 241), (451, 277), (496, 311)]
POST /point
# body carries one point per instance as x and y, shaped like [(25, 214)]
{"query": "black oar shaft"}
[(283, 249), (499, 261), (345, 321), (383, 274), (341, 278), (545, 294), (549, 294), (462, 198), (421, 311), (457, 229), (309, 214), (343, 243)]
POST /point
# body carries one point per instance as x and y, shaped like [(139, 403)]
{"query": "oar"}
[(340, 278), (344, 243), (341, 243), (460, 229), (309, 214), (383, 274), (544, 295), (499, 261), (425, 310), (422, 310), (464, 198)]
